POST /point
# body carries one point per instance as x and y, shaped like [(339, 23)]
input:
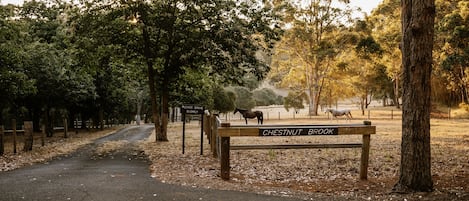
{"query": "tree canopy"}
[(106, 60)]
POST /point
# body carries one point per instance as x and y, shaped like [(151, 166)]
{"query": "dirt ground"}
[(313, 173), (304, 173)]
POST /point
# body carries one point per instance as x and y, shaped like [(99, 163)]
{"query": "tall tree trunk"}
[(48, 122), (28, 136), (417, 44), (151, 80), (164, 116), (2, 141), (154, 99)]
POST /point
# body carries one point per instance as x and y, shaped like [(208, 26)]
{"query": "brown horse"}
[(251, 115)]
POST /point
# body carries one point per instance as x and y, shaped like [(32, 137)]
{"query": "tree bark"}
[(164, 117), (101, 118), (28, 136), (417, 44), (2, 141)]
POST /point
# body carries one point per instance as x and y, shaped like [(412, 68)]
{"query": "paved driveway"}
[(87, 176)]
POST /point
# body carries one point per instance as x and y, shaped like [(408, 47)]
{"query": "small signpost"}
[(193, 110)]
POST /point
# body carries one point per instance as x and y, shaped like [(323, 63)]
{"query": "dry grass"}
[(318, 172), (300, 173)]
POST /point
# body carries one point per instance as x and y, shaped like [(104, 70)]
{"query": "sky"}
[(365, 5)]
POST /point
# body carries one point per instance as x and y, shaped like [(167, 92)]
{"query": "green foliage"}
[(224, 100), (244, 97), (453, 38), (194, 87), (266, 97), (367, 46), (294, 100), (305, 55)]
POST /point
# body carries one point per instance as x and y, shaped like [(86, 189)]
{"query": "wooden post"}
[(225, 158), (213, 135), (207, 121), (449, 113), (75, 125), (2, 141), (225, 155), (43, 135), (28, 136), (365, 157), (65, 128), (13, 126)]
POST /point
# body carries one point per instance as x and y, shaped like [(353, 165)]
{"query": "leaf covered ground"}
[(313, 173), (55, 146), (330, 174)]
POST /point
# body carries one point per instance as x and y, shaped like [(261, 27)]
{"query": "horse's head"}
[(236, 110), (328, 110)]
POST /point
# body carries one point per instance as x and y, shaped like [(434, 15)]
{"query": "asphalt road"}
[(122, 175)]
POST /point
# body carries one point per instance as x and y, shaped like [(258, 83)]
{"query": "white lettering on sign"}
[(192, 109), (321, 131), (297, 131), (282, 132)]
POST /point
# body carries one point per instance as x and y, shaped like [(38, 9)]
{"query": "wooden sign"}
[(192, 109), (297, 131)]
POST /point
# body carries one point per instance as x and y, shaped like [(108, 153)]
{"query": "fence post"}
[(28, 136), (2, 141), (213, 135), (365, 155), (65, 128), (449, 113), (13, 126), (75, 125), (225, 156), (43, 135)]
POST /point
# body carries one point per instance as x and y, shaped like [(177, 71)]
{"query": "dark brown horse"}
[(251, 115)]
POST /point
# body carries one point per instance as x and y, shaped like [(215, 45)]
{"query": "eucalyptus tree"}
[(295, 100), (307, 48), (266, 97), (386, 30), (417, 58), (367, 50), (452, 30), (244, 97), (224, 100)]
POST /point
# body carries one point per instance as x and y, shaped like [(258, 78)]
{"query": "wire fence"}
[(280, 113)]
